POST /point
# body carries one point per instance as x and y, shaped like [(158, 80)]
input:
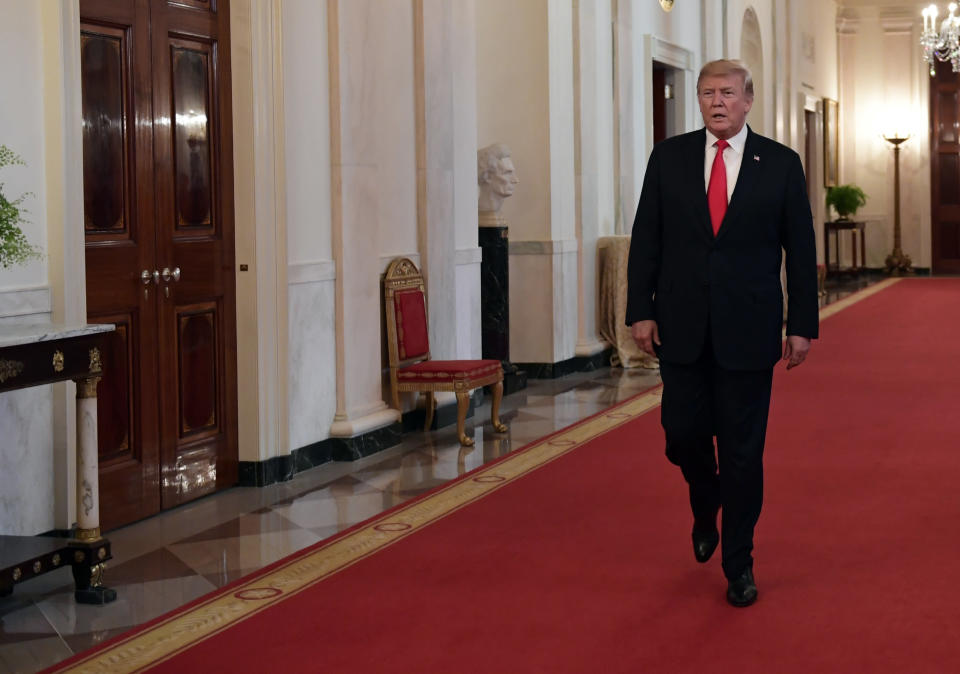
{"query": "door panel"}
[(195, 236), (119, 238), (158, 195), (945, 170)]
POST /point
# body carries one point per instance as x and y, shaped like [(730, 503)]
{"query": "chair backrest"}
[(406, 307)]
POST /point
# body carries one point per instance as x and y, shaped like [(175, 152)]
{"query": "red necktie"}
[(717, 190)]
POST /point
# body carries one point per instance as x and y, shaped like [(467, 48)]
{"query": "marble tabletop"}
[(15, 335)]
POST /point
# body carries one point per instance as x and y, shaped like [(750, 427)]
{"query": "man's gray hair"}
[(487, 159), (724, 67)]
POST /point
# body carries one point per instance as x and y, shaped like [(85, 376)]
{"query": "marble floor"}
[(170, 559)]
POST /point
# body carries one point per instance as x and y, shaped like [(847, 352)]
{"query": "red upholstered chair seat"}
[(448, 371)]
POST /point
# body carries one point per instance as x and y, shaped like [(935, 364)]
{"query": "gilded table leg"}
[(498, 426), (463, 402), (90, 549)]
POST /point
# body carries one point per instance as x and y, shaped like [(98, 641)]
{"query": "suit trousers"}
[(702, 400)]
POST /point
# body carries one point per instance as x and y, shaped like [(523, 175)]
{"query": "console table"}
[(835, 228), (44, 354)]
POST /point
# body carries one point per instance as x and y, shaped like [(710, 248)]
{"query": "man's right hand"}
[(645, 335)]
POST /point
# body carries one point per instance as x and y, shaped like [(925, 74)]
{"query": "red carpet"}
[(585, 564)]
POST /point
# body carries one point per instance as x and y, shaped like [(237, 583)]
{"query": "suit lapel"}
[(694, 159), (750, 166)]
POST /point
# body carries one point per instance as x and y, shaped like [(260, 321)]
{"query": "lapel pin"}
[(756, 157)]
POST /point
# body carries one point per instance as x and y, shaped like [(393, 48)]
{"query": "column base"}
[(353, 439)]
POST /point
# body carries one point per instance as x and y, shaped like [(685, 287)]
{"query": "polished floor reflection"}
[(180, 555)]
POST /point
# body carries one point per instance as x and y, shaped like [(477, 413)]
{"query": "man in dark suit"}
[(718, 208)]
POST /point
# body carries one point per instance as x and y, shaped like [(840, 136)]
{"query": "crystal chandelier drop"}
[(942, 44)]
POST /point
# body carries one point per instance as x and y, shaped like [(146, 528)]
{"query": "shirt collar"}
[(737, 143)]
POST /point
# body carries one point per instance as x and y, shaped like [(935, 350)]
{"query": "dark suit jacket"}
[(725, 288)]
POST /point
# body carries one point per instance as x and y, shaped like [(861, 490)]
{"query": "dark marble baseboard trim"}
[(568, 366), (366, 444), (881, 271), (283, 468)]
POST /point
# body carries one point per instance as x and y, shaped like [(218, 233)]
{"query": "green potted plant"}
[(14, 247), (845, 199)]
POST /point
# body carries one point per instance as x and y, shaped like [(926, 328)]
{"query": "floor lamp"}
[(897, 262)]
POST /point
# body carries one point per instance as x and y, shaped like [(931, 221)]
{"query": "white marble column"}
[(88, 489), (434, 75), (463, 50), (593, 133), (311, 273), (355, 196)]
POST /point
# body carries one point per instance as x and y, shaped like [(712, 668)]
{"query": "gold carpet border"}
[(185, 629)]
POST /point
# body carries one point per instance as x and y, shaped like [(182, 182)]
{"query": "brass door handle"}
[(168, 274)]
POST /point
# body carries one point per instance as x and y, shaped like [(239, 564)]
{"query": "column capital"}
[(848, 22), (87, 387)]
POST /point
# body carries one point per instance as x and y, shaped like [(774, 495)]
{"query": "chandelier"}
[(942, 44)]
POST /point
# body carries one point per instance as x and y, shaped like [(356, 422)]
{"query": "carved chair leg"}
[(430, 404), (498, 426), (463, 403)]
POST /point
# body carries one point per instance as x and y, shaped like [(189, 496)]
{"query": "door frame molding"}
[(260, 217)]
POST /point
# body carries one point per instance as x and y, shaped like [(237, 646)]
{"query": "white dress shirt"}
[(732, 158)]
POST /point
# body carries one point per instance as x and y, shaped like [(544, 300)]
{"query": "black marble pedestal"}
[(495, 304)]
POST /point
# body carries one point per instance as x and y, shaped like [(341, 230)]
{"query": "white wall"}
[(27, 497), (513, 105), (640, 25), (390, 42)]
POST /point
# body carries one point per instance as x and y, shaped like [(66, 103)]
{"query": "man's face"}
[(503, 181), (724, 104)]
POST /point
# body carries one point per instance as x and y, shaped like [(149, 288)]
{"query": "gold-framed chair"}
[(408, 346)]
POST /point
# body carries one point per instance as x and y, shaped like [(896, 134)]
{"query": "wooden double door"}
[(945, 170), (159, 239)]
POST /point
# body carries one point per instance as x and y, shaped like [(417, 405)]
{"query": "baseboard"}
[(881, 271), (568, 366), (283, 468)]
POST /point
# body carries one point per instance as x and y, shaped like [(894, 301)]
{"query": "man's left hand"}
[(795, 350)]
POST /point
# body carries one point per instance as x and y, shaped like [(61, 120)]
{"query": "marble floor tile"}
[(136, 603), (32, 655), (218, 557), (257, 522), (22, 621)]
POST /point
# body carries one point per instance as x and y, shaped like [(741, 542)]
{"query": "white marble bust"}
[(496, 176)]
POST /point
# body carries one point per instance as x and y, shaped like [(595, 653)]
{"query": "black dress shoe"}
[(743, 590), (705, 540)]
